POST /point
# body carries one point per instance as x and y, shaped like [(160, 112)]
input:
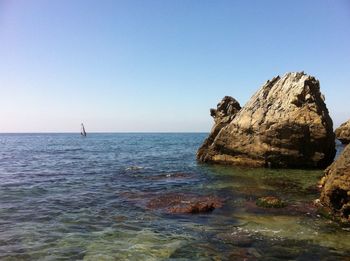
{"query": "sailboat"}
[(83, 132)]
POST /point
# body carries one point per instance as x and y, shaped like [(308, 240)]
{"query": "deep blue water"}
[(65, 197)]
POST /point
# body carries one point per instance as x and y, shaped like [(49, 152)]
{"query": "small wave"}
[(133, 168)]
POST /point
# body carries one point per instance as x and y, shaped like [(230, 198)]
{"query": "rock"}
[(194, 207), (223, 115), (236, 236), (335, 193), (178, 203), (226, 110), (244, 254), (307, 208), (173, 203), (270, 202), (285, 124), (343, 132)]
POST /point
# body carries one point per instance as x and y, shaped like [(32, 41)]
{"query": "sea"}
[(68, 197)]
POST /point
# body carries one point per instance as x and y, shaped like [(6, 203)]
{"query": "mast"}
[(83, 132)]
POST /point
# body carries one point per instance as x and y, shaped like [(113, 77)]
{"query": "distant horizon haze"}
[(159, 66)]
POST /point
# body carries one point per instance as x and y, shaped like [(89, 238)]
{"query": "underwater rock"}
[(193, 207), (285, 124), (237, 237), (291, 209), (335, 193), (178, 203), (343, 132), (283, 184), (224, 113), (242, 254), (270, 202)]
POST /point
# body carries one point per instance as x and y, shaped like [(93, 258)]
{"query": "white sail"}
[(83, 132)]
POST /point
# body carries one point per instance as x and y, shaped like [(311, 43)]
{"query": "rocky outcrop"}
[(285, 124), (335, 193), (343, 132), (224, 113)]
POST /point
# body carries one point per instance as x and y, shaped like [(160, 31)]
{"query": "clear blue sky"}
[(142, 65)]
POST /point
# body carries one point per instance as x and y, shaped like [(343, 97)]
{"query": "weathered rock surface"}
[(174, 203), (285, 124), (343, 132), (226, 110), (335, 193), (178, 203), (224, 113)]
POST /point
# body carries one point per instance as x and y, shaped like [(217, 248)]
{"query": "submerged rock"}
[(173, 203), (270, 202), (285, 124), (178, 203), (224, 113), (343, 132), (335, 193), (237, 236)]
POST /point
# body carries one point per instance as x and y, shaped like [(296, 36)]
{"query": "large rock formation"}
[(343, 132), (335, 193), (285, 124)]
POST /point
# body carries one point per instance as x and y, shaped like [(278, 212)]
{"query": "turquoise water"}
[(64, 197)]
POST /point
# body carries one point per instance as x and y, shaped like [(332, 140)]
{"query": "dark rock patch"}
[(270, 202), (178, 203)]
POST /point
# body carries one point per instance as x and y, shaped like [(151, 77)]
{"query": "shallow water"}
[(67, 197)]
